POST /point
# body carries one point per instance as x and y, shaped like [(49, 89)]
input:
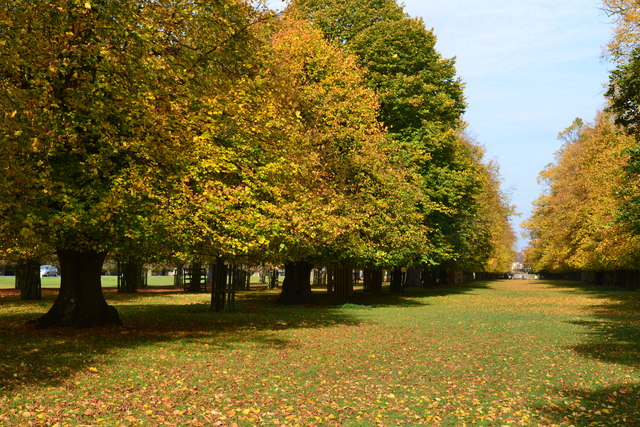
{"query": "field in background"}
[(8, 282)]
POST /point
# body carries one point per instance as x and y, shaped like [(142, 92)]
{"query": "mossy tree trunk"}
[(80, 302)]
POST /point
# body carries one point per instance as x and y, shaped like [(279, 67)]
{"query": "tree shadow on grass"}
[(611, 341), (616, 405), (409, 297), (49, 357), (614, 326)]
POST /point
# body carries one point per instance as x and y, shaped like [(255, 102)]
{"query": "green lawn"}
[(493, 353), (8, 282), (107, 281)]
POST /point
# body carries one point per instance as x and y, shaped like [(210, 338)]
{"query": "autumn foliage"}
[(574, 226), (587, 219), (218, 130)]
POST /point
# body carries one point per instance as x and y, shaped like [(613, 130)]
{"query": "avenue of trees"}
[(587, 223), (219, 132)]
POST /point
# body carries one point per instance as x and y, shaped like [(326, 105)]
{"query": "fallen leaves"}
[(491, 357)]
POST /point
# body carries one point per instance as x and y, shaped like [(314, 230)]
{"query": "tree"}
[(28, 279), (626, 38), (421, 104), (574, 227), (101, 150), (623, 91), (131, 275), (416, 86), (495, 250), (329, 199), (342, 20), (624, 87)]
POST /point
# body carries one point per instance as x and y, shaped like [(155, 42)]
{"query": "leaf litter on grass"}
[(491, 356)]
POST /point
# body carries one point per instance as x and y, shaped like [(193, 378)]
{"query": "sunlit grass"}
[(8, 282), (509, 352)]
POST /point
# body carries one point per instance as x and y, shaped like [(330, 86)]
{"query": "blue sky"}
[(530, 69)]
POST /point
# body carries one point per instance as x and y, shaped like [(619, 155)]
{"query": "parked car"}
[(48, 271)]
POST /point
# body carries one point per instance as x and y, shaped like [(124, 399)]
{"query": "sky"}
[(530, 68)]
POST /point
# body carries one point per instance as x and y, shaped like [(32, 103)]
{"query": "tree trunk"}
[(230, 301), (178, 279), (195, 284), (429, 277), (331, 278), (262, 272), (373, 280), (344, 281), (296, 287), (274, 278), (131, 276), (223, 288), (397, 280), (240, 278), (28, 279), (80, 302), (413, 277)]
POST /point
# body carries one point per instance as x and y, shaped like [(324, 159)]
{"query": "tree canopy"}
[(103, 147), (573, 226), (202, 130)]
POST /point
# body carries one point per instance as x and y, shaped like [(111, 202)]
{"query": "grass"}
[(493, 353), (8, 282)]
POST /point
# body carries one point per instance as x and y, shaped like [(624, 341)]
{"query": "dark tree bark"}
[(274, 279), (413, 277), (178, 279), (396, 284), (223, 288), (240, 277), (196, 279), (429, 278), (331, 278), (80, 302), (373, 280), (343, 281), (131, 276), (28, 279), (296, 286), (230, 300)]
